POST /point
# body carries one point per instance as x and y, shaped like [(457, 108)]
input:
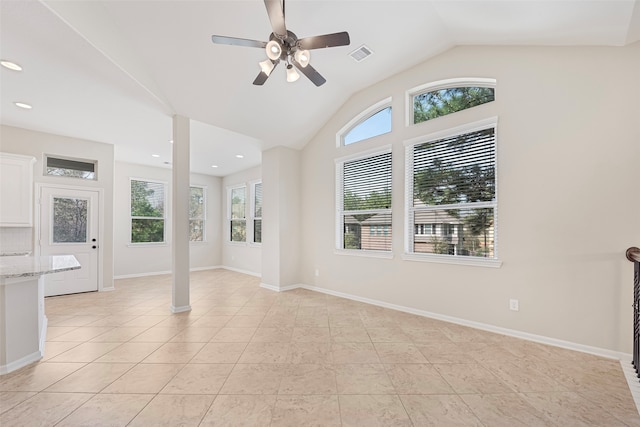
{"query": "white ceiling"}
[(117, 71)]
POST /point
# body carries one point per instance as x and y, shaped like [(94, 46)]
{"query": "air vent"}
[(361, 53)]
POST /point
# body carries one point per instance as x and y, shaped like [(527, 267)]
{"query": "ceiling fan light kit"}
[(285, 45)]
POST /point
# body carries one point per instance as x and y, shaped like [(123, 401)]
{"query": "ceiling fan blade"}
[(262, 77), (275, 10), (327, 40), (238, 42), (311, 73)]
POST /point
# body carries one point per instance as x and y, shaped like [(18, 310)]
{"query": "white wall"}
[(568, 198), (37, 144), (135, 260), (246, 257)]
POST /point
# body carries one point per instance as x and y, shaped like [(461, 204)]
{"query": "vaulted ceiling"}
[(116, 71)]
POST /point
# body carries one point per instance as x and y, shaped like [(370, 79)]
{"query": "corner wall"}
[(568, 200)]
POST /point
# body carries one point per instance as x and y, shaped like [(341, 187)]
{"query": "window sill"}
[(451, 259), (255, 245), (197, 242), (147, 244), (236, 243), (364, 253)]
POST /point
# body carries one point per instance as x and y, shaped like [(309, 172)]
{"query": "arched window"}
[(374, 121), (448, 96)]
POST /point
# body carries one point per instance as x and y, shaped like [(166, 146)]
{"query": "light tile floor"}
[(249, 356)]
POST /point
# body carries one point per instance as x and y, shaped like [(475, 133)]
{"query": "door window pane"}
[(69, 220)]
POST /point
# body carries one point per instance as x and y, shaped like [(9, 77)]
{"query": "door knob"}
[(93, 247)]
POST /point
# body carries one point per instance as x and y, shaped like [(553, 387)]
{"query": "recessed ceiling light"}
[(23, 105), (214, 166), (155, 155), (10, 65), (240, 156)]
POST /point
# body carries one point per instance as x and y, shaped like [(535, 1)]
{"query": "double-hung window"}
[(256, 212), (451, 192), (147, 211), (197, 213), (363, 192), (237, 214)]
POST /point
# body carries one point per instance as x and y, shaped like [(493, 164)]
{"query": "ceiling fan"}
[(284, 45)]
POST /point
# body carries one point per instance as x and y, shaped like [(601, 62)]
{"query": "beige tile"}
[(265, 352), (254, 379), (85, 352), (308, 379), (244, 321), (423, 335), (240, 411), (399, 353), (9, 399), (219, 352), (156, 334), (178, 352), (349, 334), (144, 378), (372, 410), (569, 408), (211, 322), (37, 377), (91, 378), (448, 352), (173, 410), (43, 409), (307, 334), (619, 404), (107, 410), (82, 333), (417, 379), (313, 321), (195, 335), (76, 321), (439, 410), (310, 352), (388, 335), (363, 379), (198, 379), (119, 334), (295, 411), (266, 334), (354, 352), (54, 332), (231, 334), (145, 320), (129, 352), (54, 348), (471, 378), (504, 410), (522, 377), (113, 320)]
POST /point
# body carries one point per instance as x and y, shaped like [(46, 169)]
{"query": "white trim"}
[(361, 117), (280, 288), (364, 253), (441, 84), (465, 128), (22, 362), (453, 259), (632, 380), (160, 273), (212, 267), (230, 189), (165, 213), (204, 214), (602, 352), (252, 211), (180, 309), (383, 149), (43, 330), (239, 270)]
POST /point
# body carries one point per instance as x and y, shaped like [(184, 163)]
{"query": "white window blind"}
[(453, 194), (364, 203)]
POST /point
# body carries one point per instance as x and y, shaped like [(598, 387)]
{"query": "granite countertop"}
[(30, 266)]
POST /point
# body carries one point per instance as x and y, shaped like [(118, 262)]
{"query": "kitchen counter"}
[(29, 266), (23, 324)]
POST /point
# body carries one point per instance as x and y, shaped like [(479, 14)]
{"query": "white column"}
[(180, 215)]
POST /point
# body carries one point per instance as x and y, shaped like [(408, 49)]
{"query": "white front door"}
[(69, 225)]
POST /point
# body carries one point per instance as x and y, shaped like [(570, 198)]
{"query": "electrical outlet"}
[(514, 305)]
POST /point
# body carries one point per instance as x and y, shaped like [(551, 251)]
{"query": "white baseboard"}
[(180, 309), (239, 270), (603, 352), (20, 363), (159, 273), (280, 288), (212, 267)]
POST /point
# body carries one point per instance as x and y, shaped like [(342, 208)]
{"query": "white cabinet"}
[(16, 190)]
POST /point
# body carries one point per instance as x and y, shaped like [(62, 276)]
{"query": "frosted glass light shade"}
[(302, 57), (292, 74), (274, 50), (266, 66)]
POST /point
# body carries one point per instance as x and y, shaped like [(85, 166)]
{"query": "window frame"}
[(229, 215), (165, 240), (252, 212), (438, 85), (45, 167), (361, 118), (409, 224), (339, 206), (204, 214)]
